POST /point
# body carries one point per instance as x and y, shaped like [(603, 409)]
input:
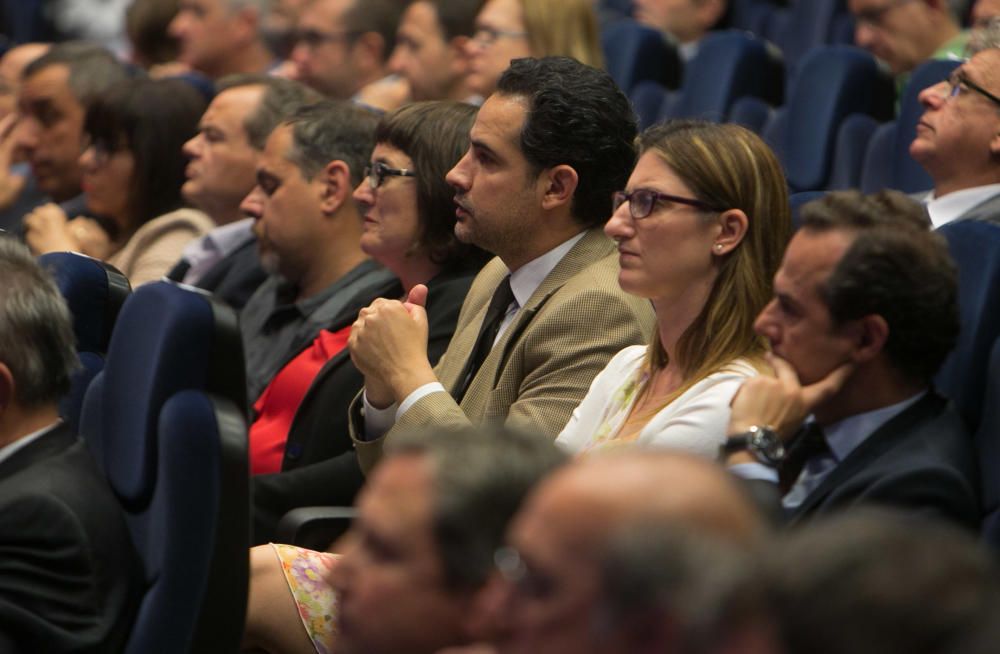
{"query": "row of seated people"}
[(552, 333)]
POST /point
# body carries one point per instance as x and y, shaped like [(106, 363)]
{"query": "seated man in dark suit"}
[(231, 136), (864, 312), (69, 575)]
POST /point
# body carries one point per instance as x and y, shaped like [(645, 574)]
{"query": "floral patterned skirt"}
[(307, 573)]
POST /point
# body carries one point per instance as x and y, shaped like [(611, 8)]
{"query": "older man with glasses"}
[(958, 141)]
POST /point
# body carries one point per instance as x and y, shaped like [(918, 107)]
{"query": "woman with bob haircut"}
[(133, 169), (510, 29), (701, 228)]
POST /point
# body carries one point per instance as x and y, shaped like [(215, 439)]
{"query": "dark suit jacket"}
[(320, 467), (70, 579), (235, 277), (922, 459)]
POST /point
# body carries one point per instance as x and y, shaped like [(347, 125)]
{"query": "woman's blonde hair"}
[(727, 166), (563, 27)]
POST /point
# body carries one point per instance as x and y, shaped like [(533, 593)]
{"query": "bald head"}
[(574, 522), (656, 486)]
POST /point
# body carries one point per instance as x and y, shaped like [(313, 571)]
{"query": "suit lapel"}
[(592, 247), (873, 447)]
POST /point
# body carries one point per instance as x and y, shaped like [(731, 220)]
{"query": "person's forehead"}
[(232, 106), (984, 69), (811, 257), (500, 120), (51, 82), (398, 498), (501, 13), (421, 19), (325, 14)]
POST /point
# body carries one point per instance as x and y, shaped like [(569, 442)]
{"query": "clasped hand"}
[(388, 344)]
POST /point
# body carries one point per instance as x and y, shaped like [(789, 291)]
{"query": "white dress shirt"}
[(947, 208)]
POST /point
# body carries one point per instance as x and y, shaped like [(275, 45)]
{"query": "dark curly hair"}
[(577, 117)]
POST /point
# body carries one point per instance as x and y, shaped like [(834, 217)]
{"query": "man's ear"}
[(870, 334), (247, 24), (560, 185), (336, 181), (368, 49)]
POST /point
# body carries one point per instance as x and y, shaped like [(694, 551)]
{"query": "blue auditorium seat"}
[(166, 421), (94, 292), (634, 53), (729, 65), (832, 83)]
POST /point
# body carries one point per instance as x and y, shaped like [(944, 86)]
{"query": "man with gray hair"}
[(231, 136), (958, 138), (222, 37), (56, 89), (69, 576), (631, 552), (416, 570)]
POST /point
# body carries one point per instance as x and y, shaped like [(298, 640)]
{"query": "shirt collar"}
[(947, 208), (8, 450), (525, 280), (845, 435)]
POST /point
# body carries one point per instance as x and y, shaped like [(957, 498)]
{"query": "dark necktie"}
[(495, 313), (809, 443), (179, 270)]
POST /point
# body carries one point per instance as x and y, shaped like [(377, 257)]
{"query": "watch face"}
[(767, 444)]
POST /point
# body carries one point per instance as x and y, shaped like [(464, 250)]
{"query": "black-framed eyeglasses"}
[(312, 39), (642, 201), (958, 81), (378, 171), (487, 36)]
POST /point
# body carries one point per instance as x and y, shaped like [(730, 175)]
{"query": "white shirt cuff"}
[(416, 395), (754, 471), (377, 421)]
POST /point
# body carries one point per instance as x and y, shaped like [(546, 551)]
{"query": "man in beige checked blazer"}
[(547, 151)]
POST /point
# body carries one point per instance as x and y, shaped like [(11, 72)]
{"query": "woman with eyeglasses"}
[(301, 427), (409, 219), (510, 29), (701, 229), (133, 169)]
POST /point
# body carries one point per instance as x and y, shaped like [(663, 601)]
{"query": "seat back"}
[(975, 247), (94, 292), (166, 422), (832, 83), (729, 65), (988, 450), (634, 52)]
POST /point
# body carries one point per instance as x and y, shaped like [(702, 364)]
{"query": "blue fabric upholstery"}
[(94, 292), (988, 448), (634, 53), (166, 422), (975, 247), (876, 173), (729, 65), (832, 83), (648, 99), (850, 150)]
